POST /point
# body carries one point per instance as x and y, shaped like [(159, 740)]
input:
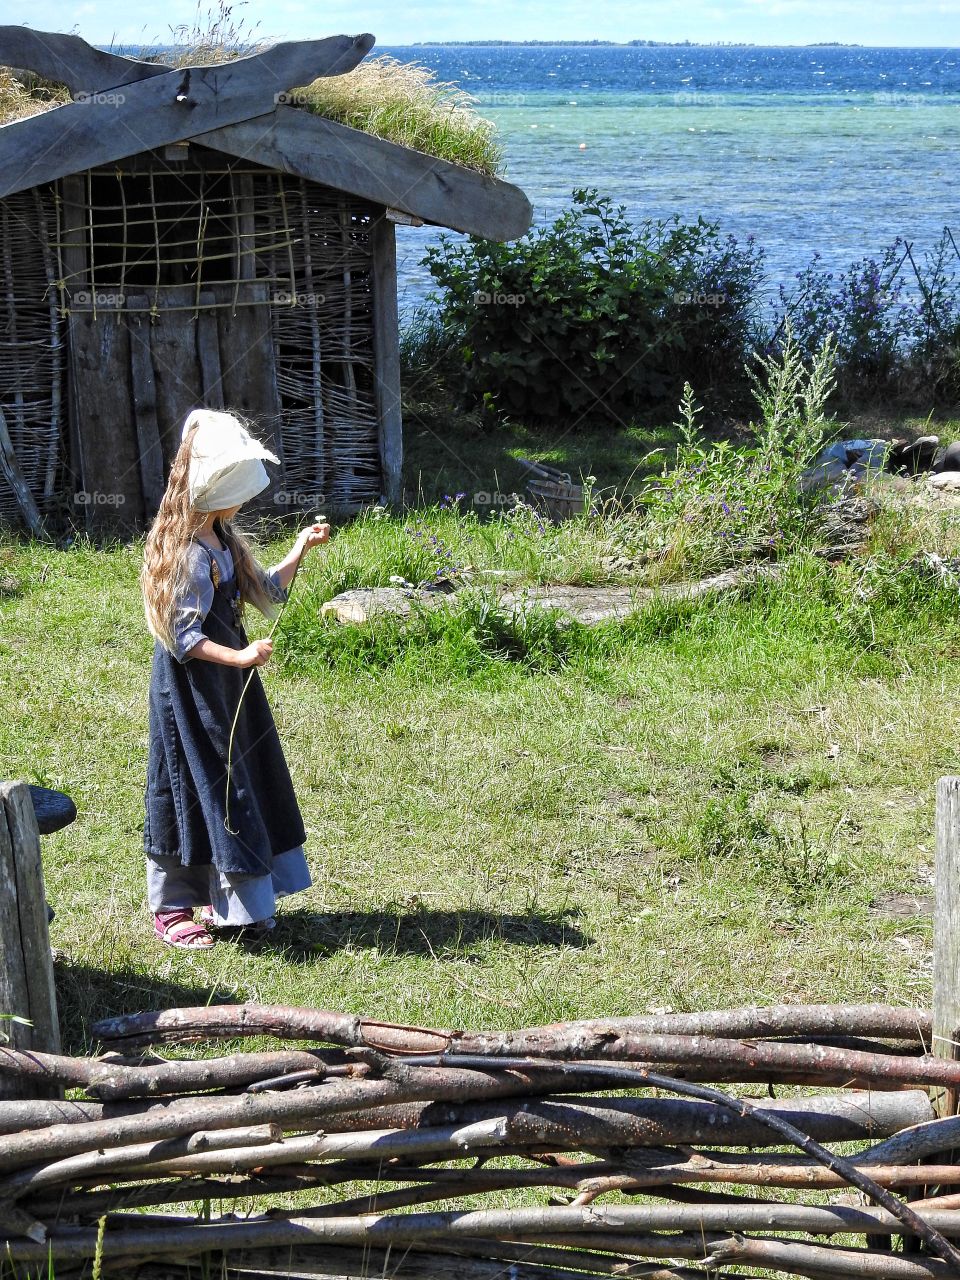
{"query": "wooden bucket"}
[(553, 491)]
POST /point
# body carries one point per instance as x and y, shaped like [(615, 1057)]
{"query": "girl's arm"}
[(254, 655), (193, 605), (312, 536)]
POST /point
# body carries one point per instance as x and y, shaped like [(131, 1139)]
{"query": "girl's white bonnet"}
[(226, 466)]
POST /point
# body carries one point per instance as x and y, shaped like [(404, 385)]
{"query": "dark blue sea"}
[(836, 150)]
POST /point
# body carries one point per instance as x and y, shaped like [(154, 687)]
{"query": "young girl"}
[(226, 839)]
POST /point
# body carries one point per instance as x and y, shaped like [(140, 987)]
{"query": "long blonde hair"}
[(165, 553)]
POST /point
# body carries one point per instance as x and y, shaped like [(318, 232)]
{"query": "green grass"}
[(512, 819), (404, 102), (629, 817), (478, 460), (514, 822)]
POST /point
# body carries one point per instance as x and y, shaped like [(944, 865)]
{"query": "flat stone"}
[(587, 605), (582, 604), (367, 602)]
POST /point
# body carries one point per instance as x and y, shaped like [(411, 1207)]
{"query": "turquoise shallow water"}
[(837, 151)]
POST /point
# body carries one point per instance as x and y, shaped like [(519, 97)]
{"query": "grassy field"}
[(511, 824), (439, 460)]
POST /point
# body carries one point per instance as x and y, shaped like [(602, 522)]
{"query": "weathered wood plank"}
[(249, 378), (144, 391), (72, 215), (319, 471), (208, 352), (176, 366), (110, 494), (26, 965), (168, 108), (246, 227), (386, 347), (946, 936), (295, 141), (10, 470), (70, 60), (14, 999)]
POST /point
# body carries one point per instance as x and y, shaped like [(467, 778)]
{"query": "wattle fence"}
[(744, 1138)]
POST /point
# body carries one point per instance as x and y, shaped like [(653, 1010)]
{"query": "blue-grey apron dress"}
[(192, 859)]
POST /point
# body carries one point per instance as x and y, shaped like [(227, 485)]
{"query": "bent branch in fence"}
[(934, 1240), (822, 1263), (125, 1238), (577, 1039), (108, 1081)]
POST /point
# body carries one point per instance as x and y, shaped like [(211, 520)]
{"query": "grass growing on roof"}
[(20, 98), (401, 102), (404, 102)]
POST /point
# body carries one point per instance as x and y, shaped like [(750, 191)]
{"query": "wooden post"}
[(946, 936), (386, 354), (10, 470), (73, 277), (26, 965)]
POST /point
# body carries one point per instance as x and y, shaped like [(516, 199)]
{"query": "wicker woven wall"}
[(32, 350), (163, 234)]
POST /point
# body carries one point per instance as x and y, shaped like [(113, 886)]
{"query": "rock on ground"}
[(587, 605)]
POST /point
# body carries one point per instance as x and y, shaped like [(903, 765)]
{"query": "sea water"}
[(837, 150)]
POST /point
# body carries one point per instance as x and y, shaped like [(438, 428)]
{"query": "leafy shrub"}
[(935, 362), (895, 321), (861, 308), (592, 318)]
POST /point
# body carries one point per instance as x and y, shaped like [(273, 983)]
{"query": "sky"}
[(869, 22)]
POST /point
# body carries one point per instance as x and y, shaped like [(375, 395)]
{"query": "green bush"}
[(594, 319), (895, 321)]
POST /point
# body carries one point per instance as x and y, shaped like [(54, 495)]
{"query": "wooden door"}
[(140, 363)]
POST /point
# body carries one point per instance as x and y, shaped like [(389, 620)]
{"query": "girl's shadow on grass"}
[(443, 935), (85, 993)]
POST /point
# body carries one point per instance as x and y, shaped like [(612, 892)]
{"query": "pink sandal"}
[(179, 929)]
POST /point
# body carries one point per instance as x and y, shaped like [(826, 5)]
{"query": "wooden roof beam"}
[(71, 61), (111, 125), (309, 146)]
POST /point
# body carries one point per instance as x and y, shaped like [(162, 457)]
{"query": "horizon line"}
[(113, 43)]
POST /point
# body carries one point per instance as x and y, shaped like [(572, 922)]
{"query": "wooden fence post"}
[(386, 349), (946, 936), (26, 965)]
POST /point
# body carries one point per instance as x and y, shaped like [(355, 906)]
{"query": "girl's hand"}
[(314, 536), (256, 654)]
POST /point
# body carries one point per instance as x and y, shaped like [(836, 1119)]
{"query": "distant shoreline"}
[(630, 44)]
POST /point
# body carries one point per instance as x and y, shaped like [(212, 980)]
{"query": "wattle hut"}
[(181, 236)]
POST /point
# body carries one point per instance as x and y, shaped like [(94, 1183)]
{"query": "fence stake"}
[(26, 965), (946, 936)]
